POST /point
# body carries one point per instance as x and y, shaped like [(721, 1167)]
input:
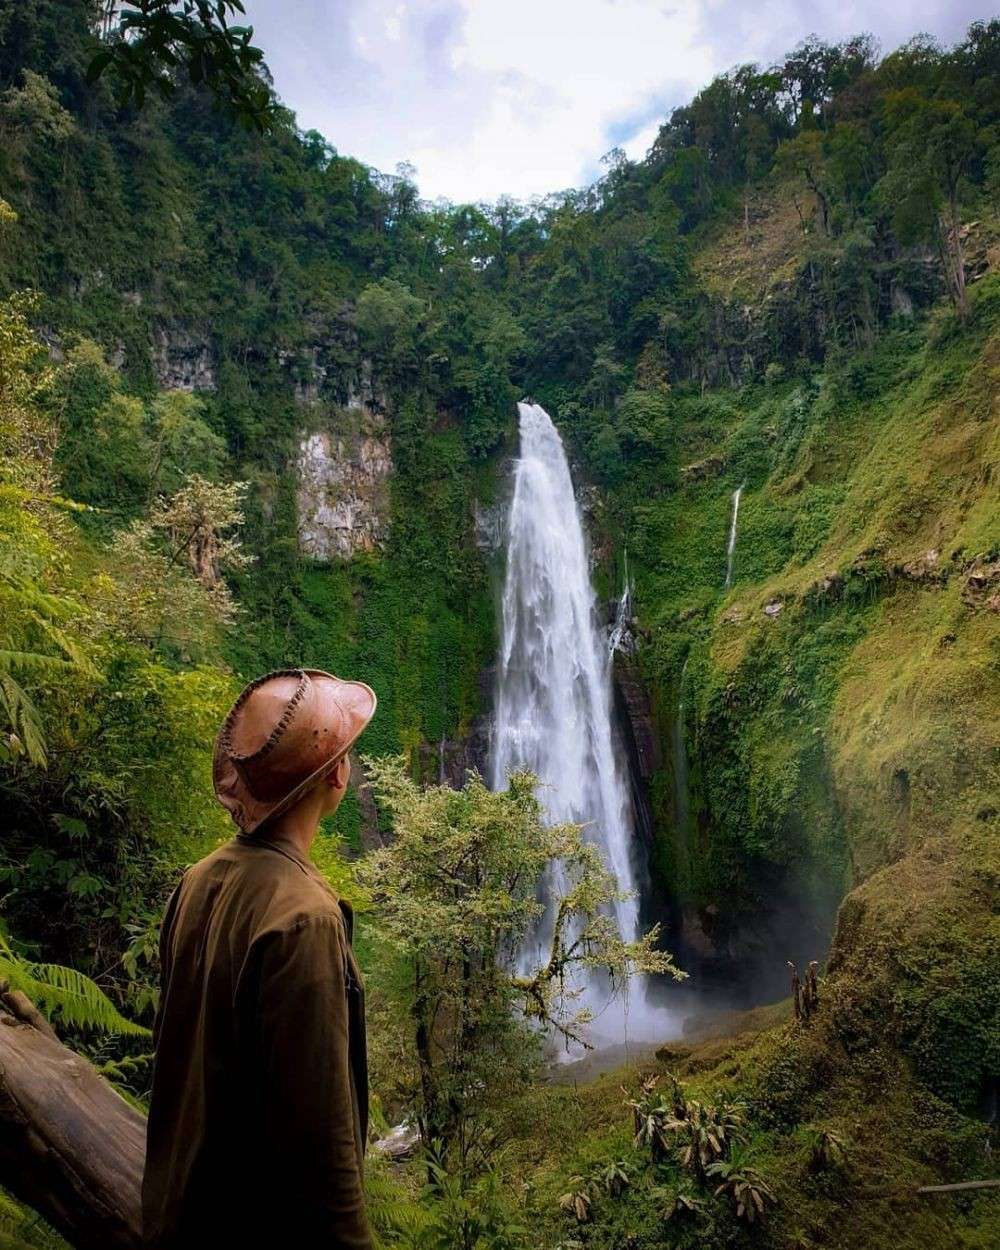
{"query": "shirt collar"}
[(292, 851), (283, 846)]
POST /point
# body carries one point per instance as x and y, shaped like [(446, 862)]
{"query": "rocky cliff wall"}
[(342, 494)]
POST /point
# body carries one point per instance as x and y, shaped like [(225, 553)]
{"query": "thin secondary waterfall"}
[(554, 697), (620, 638), (731, 547)]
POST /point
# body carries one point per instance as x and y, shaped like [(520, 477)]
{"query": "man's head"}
[(286, 734), (320, 800)]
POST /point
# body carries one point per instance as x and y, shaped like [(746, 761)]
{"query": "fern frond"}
[(31, 597), (54, 989), (33, 662), (23, 717), (391, 1209), (22, 1229), (63, 641)]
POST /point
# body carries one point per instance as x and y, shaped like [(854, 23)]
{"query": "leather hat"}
[(285, 732)]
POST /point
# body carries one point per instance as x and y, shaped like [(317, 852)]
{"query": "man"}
[(259, 1109)]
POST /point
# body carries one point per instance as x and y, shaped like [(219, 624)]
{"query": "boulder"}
[(701, 470), (399, 1143)]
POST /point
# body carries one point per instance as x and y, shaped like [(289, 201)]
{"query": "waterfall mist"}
[(553, 712)]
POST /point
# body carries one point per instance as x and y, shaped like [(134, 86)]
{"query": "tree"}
[(455, 893), (932, 144), (804, 156), (181, 443), (169, 587), (388, 317), (35, 645), (154, 38), (70, 1145), (35, 107)]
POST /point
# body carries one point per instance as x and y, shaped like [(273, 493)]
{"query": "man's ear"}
[(338, 776)]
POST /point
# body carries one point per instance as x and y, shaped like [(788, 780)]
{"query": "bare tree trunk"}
[(70, 1146), (961, 1187), (821, 200), (953, 257)]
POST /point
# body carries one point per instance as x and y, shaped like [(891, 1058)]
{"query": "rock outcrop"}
[(701, 470), (343, 486), (488, 524), (639, 738), (183, 362)]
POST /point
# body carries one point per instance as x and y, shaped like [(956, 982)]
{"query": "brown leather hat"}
[(285, 732)]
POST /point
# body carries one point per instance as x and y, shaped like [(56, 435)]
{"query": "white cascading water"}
[(621, 638), (554, 697), (731, 546)]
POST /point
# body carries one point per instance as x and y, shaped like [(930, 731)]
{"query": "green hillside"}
[(796, 294)]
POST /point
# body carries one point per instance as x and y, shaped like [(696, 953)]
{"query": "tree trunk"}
[(961, 1187), (953, 257), (821, 200), (70, 1146)]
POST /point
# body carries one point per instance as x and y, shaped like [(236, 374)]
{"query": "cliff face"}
[(342, 496), (182, 360), (343, 461), (838, 739)]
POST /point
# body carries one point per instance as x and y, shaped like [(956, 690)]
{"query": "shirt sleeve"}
[(307, 1102)]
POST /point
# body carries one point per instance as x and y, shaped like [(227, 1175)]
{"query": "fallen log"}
[(958, 1187), (70, 1146)]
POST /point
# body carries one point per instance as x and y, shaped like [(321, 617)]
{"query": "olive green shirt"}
[(259, 1110)]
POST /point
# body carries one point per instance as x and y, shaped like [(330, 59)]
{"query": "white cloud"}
[(487, 97), (553, 78)]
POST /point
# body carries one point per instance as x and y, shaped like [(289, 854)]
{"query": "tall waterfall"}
[(554, 697), (731, 546)]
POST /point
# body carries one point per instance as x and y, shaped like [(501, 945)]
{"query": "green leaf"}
[(65, 994)]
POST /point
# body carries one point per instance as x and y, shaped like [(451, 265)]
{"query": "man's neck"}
[(298, 827)]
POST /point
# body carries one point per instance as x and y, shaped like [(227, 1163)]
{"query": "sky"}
[(523, 97)]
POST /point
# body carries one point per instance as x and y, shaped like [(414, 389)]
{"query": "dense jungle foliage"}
[(794, 293)]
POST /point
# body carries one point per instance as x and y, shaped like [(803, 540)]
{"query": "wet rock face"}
[(343, 486), (449, 762), (636, 713), (636, 730), (330, 372), (488, 526)]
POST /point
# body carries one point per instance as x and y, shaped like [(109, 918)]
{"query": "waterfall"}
[(731, 547), (554, 697), (620, 637)]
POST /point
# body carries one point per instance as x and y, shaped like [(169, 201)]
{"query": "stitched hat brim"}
[(357, 702)]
